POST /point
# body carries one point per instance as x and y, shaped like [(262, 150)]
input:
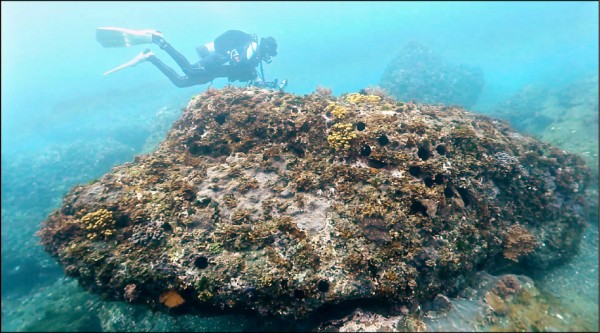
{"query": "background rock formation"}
[(420, 75), (282, 204), (565, 116)]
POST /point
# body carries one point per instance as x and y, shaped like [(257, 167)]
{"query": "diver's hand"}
[(234, 57)]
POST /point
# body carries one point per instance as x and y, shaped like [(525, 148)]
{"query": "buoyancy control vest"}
[(238, 45)]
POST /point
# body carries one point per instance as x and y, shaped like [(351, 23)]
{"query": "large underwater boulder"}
[(419, 74), (283, 204), (565, 116)]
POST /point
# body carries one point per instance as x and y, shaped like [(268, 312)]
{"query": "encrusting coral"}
[(338, 111), (341, 135), (357, 98), (518, 242), (98, 224), (259, 200)]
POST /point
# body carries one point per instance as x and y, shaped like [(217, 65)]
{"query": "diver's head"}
[(267, 48)]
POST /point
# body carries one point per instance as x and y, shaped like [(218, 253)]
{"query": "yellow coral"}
[(373, 210), (338, 111), (357, 98), (340, 136), (205, 295), (98, 223)]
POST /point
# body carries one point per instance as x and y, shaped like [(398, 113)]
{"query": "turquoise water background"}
[(49, 51), (54, 94)]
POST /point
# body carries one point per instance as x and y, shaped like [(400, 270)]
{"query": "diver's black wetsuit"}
[(213, 65)]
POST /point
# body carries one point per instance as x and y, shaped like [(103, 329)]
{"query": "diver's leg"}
[(178, 81), (181, 60)]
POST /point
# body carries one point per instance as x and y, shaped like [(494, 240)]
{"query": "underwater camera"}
[(275, 84)]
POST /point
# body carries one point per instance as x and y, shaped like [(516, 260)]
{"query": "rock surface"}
[(565, 116), (283, 204), (420, 75)]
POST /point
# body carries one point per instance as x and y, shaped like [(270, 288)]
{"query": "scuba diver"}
[(234, 55)]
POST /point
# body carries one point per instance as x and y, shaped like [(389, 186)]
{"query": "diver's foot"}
[(156, 33), (143, 56), (159, 40)]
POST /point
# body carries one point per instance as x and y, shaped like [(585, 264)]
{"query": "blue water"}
[(54, 95)]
